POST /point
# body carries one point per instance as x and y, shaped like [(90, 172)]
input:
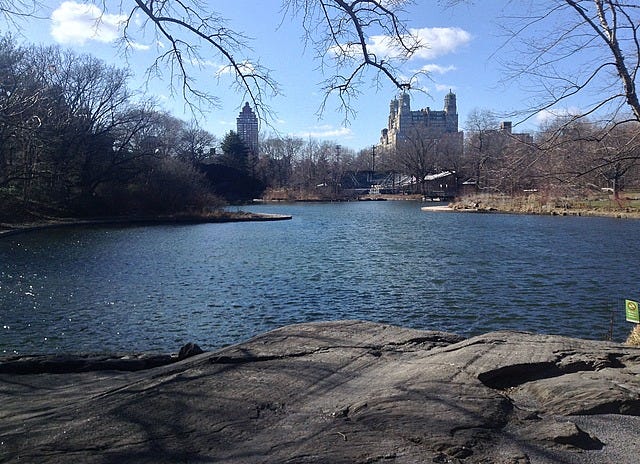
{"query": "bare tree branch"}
[(578, 48), (345, 35), (609, 35), (341, 33), (187, 25)]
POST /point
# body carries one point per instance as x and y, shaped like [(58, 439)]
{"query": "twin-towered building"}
[(404, 124)]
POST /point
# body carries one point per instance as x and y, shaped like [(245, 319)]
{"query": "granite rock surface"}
[(338, 392)]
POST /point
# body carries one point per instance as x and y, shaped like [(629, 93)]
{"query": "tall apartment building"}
[(247, 128), (404, 123)]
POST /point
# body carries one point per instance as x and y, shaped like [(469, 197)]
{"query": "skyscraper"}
[(247, 128)]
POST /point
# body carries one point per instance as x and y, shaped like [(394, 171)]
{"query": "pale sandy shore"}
[(438, 208)]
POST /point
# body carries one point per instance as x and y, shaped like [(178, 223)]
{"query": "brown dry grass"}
[(541, 204), (634, 336)]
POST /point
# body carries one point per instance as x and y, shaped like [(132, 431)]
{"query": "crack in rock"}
[(374, 350), (245, 358), (68, 364), (567, 362), (517, 374)]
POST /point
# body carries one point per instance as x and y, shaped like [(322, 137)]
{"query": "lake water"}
[(156, 288)]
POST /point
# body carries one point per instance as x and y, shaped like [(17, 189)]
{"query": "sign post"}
[(631, 309)]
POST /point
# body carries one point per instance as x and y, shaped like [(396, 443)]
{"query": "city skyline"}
[(463, 52)]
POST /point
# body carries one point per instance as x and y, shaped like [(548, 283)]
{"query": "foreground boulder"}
[(340, 392)]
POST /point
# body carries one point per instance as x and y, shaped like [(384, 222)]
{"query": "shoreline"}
[(59, 223), (551, 212)]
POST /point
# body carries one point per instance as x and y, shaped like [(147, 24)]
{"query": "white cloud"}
[(439, 41), (139, 46), (77, 23), (436, 41), (436, 69), (548, 116), (208, 63), (326, 131), (382, 46), (246, 67)]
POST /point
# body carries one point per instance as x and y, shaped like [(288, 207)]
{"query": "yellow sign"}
[(631, 308)]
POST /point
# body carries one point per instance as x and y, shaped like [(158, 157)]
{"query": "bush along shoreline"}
[(214, 217)]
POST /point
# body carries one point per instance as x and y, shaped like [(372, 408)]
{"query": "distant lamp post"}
[(373, 159)]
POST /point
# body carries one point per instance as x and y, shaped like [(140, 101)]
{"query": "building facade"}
[(506, 130), (404, 123), (247, 128)]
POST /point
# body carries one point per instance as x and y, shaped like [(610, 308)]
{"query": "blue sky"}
[(464, 43)]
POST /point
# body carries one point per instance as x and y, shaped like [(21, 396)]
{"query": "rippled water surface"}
[(156, 288)]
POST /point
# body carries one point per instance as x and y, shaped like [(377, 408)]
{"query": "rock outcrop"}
[(340, 392)]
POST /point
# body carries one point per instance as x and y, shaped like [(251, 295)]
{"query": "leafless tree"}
[(14, 10), (195, 144), (195, 34), (499, 159), (568, 48), (610, 160), (480, 149), (339, 31), (277, 158), (21, 102), (582, 157), (418, 154)]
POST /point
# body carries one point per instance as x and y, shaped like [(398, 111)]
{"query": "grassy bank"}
[(627, 207)]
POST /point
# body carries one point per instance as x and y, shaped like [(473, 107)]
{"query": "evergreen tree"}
[(235, 153)]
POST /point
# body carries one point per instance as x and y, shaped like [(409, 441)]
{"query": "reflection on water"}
[(156, 288)]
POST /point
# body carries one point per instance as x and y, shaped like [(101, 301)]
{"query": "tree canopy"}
[(74, 141), (338, 31)]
